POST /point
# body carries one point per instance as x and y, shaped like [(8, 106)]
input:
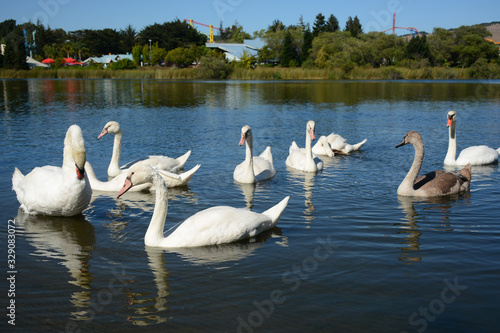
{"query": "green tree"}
[(171, 35), (146, 54), (9, 55), (137, 54), (307, 45), (157, 54), (319, 25), (441, 45), (68, 49), (236, 34), (332, 24), (338, 50), (52, 51), (383, 49), (288, 53), (179, 57), (417, 49), (353, 26), (128, 38)]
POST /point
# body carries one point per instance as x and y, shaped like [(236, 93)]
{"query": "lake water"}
[(348, 254)]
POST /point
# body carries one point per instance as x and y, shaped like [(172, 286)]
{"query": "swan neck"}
[(452, 145), (117, 148), (249, 152), (154, 234), (412, 175), (309, 157)]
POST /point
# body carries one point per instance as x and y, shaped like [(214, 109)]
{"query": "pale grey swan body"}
[(215, 225), (113, 185), (303, 159), (158, 162), (433, 184), (475, 155), (335, 144), (57, 191), (253, 168)]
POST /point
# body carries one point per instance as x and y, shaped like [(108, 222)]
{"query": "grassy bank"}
[(260, 73)]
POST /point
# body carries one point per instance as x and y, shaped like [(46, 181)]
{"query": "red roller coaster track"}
[(394, 26)]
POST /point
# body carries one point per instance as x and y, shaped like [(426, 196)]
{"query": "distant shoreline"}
[(261, 73)]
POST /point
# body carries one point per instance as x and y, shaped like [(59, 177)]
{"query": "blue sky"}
[(252, 15)]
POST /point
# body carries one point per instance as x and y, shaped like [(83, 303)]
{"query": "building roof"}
[(34, 63), (106, 59), (234, 51)]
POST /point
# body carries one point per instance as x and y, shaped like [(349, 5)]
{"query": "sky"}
[(252, 15)]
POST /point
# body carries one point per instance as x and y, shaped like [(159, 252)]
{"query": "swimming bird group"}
[(67, 190)]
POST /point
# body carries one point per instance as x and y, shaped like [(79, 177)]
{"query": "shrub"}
[(213, 68), (122, 64)]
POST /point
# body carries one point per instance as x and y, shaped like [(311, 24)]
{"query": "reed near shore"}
[(260, 73)]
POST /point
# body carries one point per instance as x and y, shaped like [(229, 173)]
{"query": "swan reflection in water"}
[(410, 223), (306, 179), (67, 240), (152, 308)]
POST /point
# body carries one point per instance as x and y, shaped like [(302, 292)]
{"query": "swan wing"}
[(218, 225), (263, 168), (477, 155)]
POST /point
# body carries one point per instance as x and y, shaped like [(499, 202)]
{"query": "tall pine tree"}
[(319, 25), (288, 53)]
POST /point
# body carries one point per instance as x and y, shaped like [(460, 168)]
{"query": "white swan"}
[(57, 191), (340, 146), (253, 168), (215, 225), (432, 184), (158, 162), (475, 155), (322, 147), (303, 159), (115, 184)]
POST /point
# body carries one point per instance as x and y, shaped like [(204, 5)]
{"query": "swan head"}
[(452, 117), (112, 127), (310, 129), (75, 143), (138, 174), (412, 137), (246, 132)]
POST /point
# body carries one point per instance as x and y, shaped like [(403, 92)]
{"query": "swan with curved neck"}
[(158, 162), (171, 180), (475, 155), (433, 184), (215, 225), (303, 159), (253, 168), (57, 191)]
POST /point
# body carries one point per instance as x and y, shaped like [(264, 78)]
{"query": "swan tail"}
[(274, 212), (173, 180), (186, 176), (266, 154), (17, 178), (183, 159), (357, 146), (466, 173)]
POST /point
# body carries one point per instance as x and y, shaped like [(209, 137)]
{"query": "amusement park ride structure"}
[(412, 30), (211, 36)]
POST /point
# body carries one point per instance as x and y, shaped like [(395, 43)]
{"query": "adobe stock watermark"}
[(48, 9), (424, 315), (293, 278), (104, 296), (223, 6)]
